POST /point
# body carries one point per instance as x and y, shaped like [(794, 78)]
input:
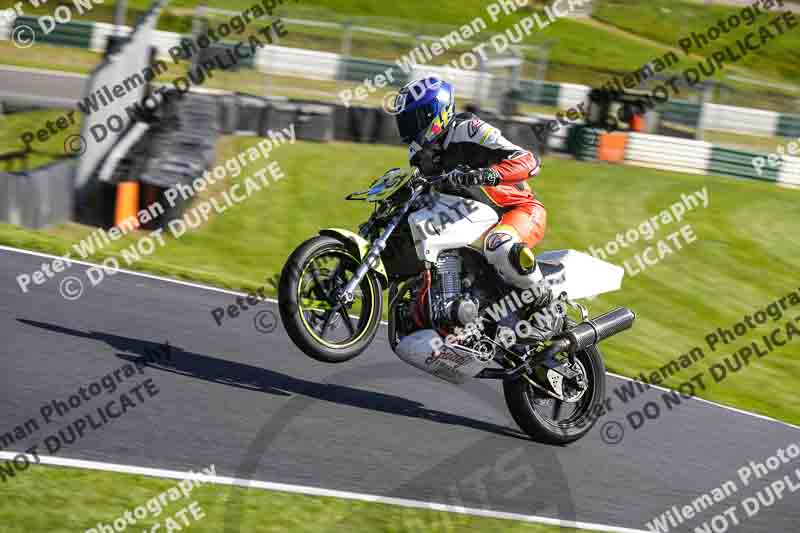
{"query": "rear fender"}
[(359, 246)]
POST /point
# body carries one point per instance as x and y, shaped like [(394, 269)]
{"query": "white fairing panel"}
[(585, 275), (452, 222)]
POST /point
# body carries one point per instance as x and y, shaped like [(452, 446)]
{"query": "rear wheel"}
[(315, 321), (555, 421)]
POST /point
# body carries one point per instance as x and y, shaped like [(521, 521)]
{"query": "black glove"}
[(474, 178), (428, 160)]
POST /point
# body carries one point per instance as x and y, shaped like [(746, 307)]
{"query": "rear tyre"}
[(321, 329), (553, 421)]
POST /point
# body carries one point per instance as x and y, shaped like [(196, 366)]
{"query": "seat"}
[(552, 272)]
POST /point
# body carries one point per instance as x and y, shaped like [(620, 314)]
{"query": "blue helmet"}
[(425, 108)]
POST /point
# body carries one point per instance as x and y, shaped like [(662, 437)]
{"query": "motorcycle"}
[(449, 313)]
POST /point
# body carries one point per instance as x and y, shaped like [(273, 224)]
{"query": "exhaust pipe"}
[(582, 336), (591, 332)]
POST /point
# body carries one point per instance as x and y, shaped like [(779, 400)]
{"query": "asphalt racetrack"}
[(62, 89), (245, 399)]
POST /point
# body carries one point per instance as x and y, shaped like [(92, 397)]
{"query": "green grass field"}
[(14, 125), (38, 501), (667, 21)]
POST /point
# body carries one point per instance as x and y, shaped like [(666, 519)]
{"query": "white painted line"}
[(715, 404), (131, 272), (315, 491), (273, 300)]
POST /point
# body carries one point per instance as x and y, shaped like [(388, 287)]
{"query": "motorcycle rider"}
[(484, 166)]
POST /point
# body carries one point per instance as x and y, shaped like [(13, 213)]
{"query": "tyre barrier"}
[(315, 121), (190, 128), (228, 113), (252, 114), (356, 124)]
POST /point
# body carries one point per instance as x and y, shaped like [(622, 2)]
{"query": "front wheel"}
[(550, 420), (318, 325)]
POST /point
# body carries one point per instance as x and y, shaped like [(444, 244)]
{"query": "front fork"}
[(346, 295)]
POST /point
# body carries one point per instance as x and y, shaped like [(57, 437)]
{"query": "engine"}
[(442, 304), (452, 301)]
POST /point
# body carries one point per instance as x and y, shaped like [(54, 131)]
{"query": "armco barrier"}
[(358, 70), (40, 198), (684, 155), (219, 49), (611, 147), (6, 25), (103, 31), (668, 153), (698, 157), (162, 40), (540, 93), (298, 62), (790, 171), (559, 141), (684, 113), (788, 126), (571, 94), (739, 120), (74, 34), (738, 163), (583, 141)]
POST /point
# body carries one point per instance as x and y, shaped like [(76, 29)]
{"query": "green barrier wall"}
[(75, 34), (738, 163)]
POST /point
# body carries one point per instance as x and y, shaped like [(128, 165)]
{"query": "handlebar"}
[(432, 180)]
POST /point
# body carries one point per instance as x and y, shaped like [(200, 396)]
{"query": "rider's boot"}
[(547, 313), (517, 266)]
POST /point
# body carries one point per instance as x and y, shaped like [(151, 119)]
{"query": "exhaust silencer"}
[(592, 331)]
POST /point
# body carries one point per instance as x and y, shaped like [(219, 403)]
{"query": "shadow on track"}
[(244, 376)]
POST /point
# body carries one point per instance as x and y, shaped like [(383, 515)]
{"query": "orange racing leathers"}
[(476, 144)]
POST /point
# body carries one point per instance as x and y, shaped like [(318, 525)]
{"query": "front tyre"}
[(553, 421), (318, 326)]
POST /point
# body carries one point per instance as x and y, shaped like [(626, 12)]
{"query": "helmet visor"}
[(411, 123)]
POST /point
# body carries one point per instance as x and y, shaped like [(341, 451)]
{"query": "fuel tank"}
[(450, 222)]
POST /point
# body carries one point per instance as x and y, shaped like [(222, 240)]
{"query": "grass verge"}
[(46, 499), (668, 21)]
